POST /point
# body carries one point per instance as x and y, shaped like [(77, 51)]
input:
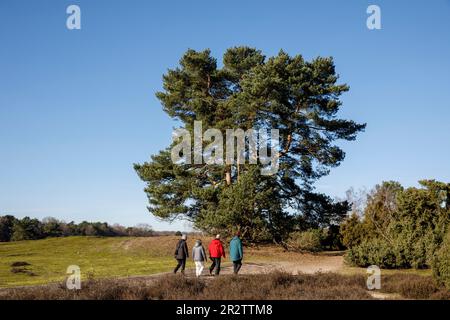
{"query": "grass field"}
[(97, 257)]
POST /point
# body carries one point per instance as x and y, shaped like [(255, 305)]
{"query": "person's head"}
[(198, 242), (218, 236), (238, 233), (183, 237)]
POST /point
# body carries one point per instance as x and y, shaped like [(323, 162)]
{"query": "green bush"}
[(401, 228), (374, 252), (310, 240), (441, 263)]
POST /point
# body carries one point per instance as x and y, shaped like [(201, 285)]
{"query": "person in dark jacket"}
[(181, 254), (216, 253), (236, 252)]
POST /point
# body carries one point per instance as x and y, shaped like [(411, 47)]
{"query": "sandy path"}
[(305, 263)]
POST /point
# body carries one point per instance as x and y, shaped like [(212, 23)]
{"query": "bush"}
[(401, 228), (441, 263), (375, 252), (310, 240), (413, 286)]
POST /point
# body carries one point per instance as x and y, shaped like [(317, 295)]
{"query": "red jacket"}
[(216, 249)]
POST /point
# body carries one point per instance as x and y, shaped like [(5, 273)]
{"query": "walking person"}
[(216, 253), (181, 254), (236, 252), (199, 256)]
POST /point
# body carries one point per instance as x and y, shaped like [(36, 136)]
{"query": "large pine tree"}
[(298, 97)]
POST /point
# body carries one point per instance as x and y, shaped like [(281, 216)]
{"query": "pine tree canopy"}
[(299, 98)]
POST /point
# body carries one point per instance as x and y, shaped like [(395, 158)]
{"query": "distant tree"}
[(27, 229), (143, 230), (381, 208), (357, 200), (6, 228), (71, 229), (52, 227), (353, 231)]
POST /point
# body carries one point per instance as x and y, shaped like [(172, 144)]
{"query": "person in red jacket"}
[(216, 253)]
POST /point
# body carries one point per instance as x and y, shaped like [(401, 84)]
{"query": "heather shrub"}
[(412, 286)]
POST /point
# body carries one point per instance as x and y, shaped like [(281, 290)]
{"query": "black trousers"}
[(237, 266), (215, 266), (182, 264)]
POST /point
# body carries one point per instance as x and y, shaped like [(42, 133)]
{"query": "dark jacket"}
[(216, 249), (181, 251)]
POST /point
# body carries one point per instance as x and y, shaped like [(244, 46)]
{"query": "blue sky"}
[(77, 107)]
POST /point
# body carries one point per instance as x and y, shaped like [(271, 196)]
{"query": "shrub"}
[(413, 286), (275, 285), (375, 252), (310, 240), (402, 228), (441, 263)]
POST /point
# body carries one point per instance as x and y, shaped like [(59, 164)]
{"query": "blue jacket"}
[(236, 252)]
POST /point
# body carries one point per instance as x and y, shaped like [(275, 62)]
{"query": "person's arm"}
[(176, 249), (186, 249)]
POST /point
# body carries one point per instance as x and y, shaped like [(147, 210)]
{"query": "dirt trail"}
[(305, 263)]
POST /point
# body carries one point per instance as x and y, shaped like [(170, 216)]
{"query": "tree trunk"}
[(228, 176)]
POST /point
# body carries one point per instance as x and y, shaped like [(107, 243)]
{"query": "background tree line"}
[(13, 229)]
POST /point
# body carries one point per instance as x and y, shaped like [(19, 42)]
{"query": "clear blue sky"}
[(77, 108)]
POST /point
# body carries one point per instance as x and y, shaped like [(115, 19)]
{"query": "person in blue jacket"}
[(236, 252)]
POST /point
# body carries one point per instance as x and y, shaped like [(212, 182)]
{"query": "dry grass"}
[(412, 286), (276, 285)]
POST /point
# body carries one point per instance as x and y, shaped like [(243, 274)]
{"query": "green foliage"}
[(12, 229), (27, 229), (6, 228), (250, 91), (402, 228), (381, 208), (441, 263), (373, 252), (352, 231), (310, 240)]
